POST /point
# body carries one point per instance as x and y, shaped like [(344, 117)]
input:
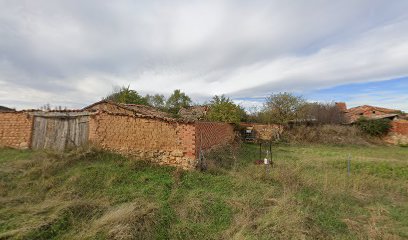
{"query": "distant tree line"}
[(48, 107), (279, 108), (285, 108)]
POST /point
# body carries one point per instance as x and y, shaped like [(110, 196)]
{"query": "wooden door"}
[(59, 133)]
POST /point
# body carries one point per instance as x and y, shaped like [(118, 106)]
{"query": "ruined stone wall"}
[(156, 140), (264, 131), (15, 129), (211, 134)]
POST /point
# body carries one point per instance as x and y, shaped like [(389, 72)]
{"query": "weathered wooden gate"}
[(60, 131)]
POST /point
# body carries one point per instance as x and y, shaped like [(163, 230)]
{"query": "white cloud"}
[(72, 52), (249, 105)]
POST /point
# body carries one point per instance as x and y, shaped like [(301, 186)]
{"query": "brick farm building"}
[(140, 131)]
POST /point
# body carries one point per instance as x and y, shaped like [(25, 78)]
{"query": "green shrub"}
[(377, 127)]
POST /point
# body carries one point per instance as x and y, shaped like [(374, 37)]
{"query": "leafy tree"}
[(223, 109), (176, 101), (126, 95), (376, 127), (157, 101), (281, 108)]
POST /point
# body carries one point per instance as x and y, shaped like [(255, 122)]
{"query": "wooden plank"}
[(34, 143)]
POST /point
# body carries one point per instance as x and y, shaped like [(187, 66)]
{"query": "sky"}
[(73, 52)]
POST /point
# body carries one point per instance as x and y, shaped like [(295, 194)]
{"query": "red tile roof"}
[(370, 112), (365, 108)]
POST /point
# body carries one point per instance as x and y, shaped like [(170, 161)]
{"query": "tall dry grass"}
[(307, 194)]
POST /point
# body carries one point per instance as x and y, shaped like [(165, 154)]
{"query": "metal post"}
[(270, 150), (268, 162), (200, 156)]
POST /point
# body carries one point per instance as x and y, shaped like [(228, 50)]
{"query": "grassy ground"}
[(307, 194)]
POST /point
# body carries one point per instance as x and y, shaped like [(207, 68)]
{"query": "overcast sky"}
[(72, 53)]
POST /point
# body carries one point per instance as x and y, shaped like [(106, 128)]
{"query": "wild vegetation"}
[(306, 194), (376, 127), (329, 134), (223, 109), (126, 95)]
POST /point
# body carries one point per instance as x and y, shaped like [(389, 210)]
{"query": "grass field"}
[(307, 194)]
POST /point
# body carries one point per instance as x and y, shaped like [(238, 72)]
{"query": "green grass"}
[(307, 194)]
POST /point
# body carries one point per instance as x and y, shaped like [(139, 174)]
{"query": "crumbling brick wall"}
[(15, 129), (163, 142), (399, 132), (157, 140), (400, 127), (160, 140), (210, 134)]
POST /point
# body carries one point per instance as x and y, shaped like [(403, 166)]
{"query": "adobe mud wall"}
[(15, 129), (162, 142), (166, 142)]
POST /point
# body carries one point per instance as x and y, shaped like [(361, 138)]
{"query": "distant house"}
[(399, 131), (144, 132), (369, 112), (194, 113), (6, 109)]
